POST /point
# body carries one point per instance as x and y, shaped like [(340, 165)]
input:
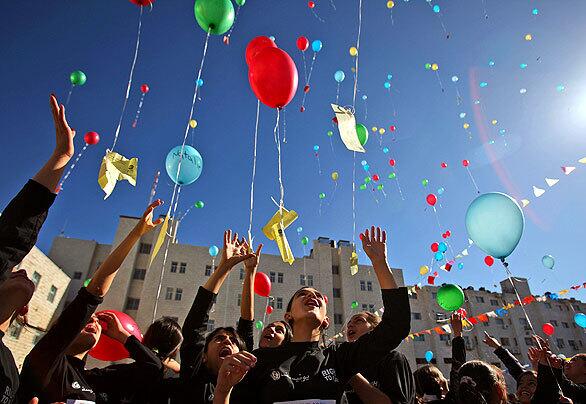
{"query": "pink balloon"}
[(262, 284), (110, 350)]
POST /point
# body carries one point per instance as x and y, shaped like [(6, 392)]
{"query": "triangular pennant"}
[(568, 170), (491, 314), (552, 181), (447, 328), (465, 252), (538, 191), (525, 202), (459, 256), (582, 160), (160, 237), (470, 242)]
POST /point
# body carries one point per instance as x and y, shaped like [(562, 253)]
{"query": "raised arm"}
[(374, 244), (102, 279), (458, 349), (232, 254), (511, 363), (245, 327)]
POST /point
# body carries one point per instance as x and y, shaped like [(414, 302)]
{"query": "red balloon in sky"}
[(444, 165), (109, 349), (269, 309), (142, 2), (273, 77), (488, 260), (262, 284), (431, 199), (310, 4), (256, 45), (434, 247), (306, 88), (392, 128), (144, 89), (91, 138), (548, 329), (375, 177), (392, 162), (465, 163), (302, 43)]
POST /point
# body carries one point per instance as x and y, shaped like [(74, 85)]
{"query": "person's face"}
[(89, 336), (526, 388), (441, 381), (575, 369), (273, 335), (223, 344), (18, 290), (309, 304), (357, 327)]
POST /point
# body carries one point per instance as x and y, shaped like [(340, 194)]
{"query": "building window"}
[(548, 305), (211, 325), (565, 325), (241, 277), (77, 275), (494, 302), (479, 299), (364, 307), (173, 267), (554, 323), (335, 270), (434, 296), (139, 274), (178, 293), (272, 276), (444, 337), (369, 286), (279, 303), (362, 285), (500, 321), (208, 270), (144, 248), (15, 330), (337, 318), (302, 280), (169, 294), (528, 342), (132, 303), (572, 344), (523, 321), (36, 278), (239, 299), (371, 308), (309, 280), (505, 341), (560, 343), (337, 292), (182, 267), (420, 338), (416, 316), (280, 277), (52, 294)]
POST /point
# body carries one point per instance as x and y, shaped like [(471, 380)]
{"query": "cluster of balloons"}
[(191, 165), (272, 74), (450, 297), (439, 249), (109, 349)]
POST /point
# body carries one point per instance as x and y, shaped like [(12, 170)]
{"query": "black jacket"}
[(304, 370), (548, 379), (8, 374)]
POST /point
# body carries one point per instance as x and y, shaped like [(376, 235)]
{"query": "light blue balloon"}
[(299, 229), (554, 296), (339, 76), (214, 251), (363, 162), (385, 150), (440, 190), (442, 247), (439, 256), (191, 165), (483, 84), (491, 63), (523, 65), (199, 82), (364, 97), (272, 38), (501, 312), (387, 85), (535, 11), (462, 115), (366, 167), (315, 148), (389, 76), (316, 45), (495, 222), (580, 319), (436, 9), (461, 265), (548, 261), (428, 356)]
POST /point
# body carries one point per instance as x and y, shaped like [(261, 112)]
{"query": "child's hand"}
[(490, 341), (114, 329), (233, 252), (456, 322), (146, 223), (251, 264), (63, 133), (375, 245)]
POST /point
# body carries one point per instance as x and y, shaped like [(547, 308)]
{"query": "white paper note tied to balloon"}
[(347, 128)]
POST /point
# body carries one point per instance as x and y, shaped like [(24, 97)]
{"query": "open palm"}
[(374, 244), (146, 222)]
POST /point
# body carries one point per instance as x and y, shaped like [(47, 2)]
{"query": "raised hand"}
[(251, 263), (490, 341), (533, 355), (233, 252), (63, 133), (456, 323), (233, 370), (146, 224), (113, 329), (374, 244)]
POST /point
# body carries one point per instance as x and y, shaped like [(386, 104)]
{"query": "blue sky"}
[(44, 42)]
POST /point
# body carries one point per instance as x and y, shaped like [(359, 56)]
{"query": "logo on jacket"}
[(275, 375), (76, 385), (329, 374)]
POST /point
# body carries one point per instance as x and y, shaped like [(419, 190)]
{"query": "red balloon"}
[(488, 260), (448, 233), (302, 43), (256, 45), (262, 284), (142, 2), (375, 177), (431, 199), (335, 120), (91, 138), (273, 77), (435, 247), (465, 163), (144, 88), (302, 109), (310, 4), (392, 162), (462, 311), (548, 329), (444, 165), (269, 309), (448, 266), (392, 128), (110, 350), (306, 88)]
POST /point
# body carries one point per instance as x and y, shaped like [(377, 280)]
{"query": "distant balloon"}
[(548, 329), (144, 89), (302, 43), (444, 165), (434, 247), (438, 256), (548, 261), (465, 163), (362, 133), (392, 176), (423, 270), (330, 133), (450, 297), (299, 229), (580, 319), (339, 76), (214, 250), (199, 204), (353, 51), (461, 265), (316, 45), (424, 182), (392, 162), (77, 78), (387, 85), (262, 284), (305, 240), (440, 190), (488, 260), (354, 305), (428, 356), (335, 176), (315, 148), (455, 79), (192, 123), (191, 165), (322, 195), (258, 325), (390, 4), (436, 9), (364, 97), (269, 310), (431, 199), (385, 150), (442, 247)]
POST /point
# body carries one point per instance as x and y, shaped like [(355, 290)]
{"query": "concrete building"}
[(51, 283)]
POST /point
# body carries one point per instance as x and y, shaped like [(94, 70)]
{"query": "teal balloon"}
[(217, 16), (495, 223), (385, 150), (450, 297), (442, 247), (440, 190), (316, 45), (428, 356), (436, 9), (214, 250), (580, 319), (299, 229), (387, 85), (191, 165), (548, 261), (339, 76), (439, 256), (199, 82), (461, 265)]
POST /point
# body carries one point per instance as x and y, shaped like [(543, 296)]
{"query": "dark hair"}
[(533, 373), (426, 380), (228, 330), (290, 322), (478, 381), (370, 318), (288, 330), (163, 337)]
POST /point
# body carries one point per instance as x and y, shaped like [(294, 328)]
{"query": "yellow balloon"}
[(528, 37), (381, 131), (353, 69), (423, 270), (353, 51), (374, 128), (466, 125), (193, 123), (434, 67), (390, 4), (494, 121), (335, 176)]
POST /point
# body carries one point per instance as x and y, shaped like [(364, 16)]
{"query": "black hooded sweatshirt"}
[(304, 370)]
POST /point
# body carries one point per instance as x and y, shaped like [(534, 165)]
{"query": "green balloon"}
[(77, 78), (354, 305), (322, 195), (450, 297), (363, 186), (217, 16), (367, 180), (258, 324), (240, 2), (305, 240), (392, 176), (362, 133), (330, 133), (87, 282), (199, 204), (379, 187), (427, 66), (424, 182)]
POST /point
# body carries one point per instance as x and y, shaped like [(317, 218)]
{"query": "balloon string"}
[(458, 97), (71, 167), (399, 185), (357, 54), (365, 110), (129, 80), (333, 5), (318, 164), (393, 104), (154, 187), (264, 318), (392, 19), (278, 143), (317, 16), (338, 94), (473, 181), (439, 226), (484, 8), (138, 110), (69, 95), (439, 80), (354, 197), (304, 66), (284, 125), (253, 173), (333, 193), (308, 79)]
